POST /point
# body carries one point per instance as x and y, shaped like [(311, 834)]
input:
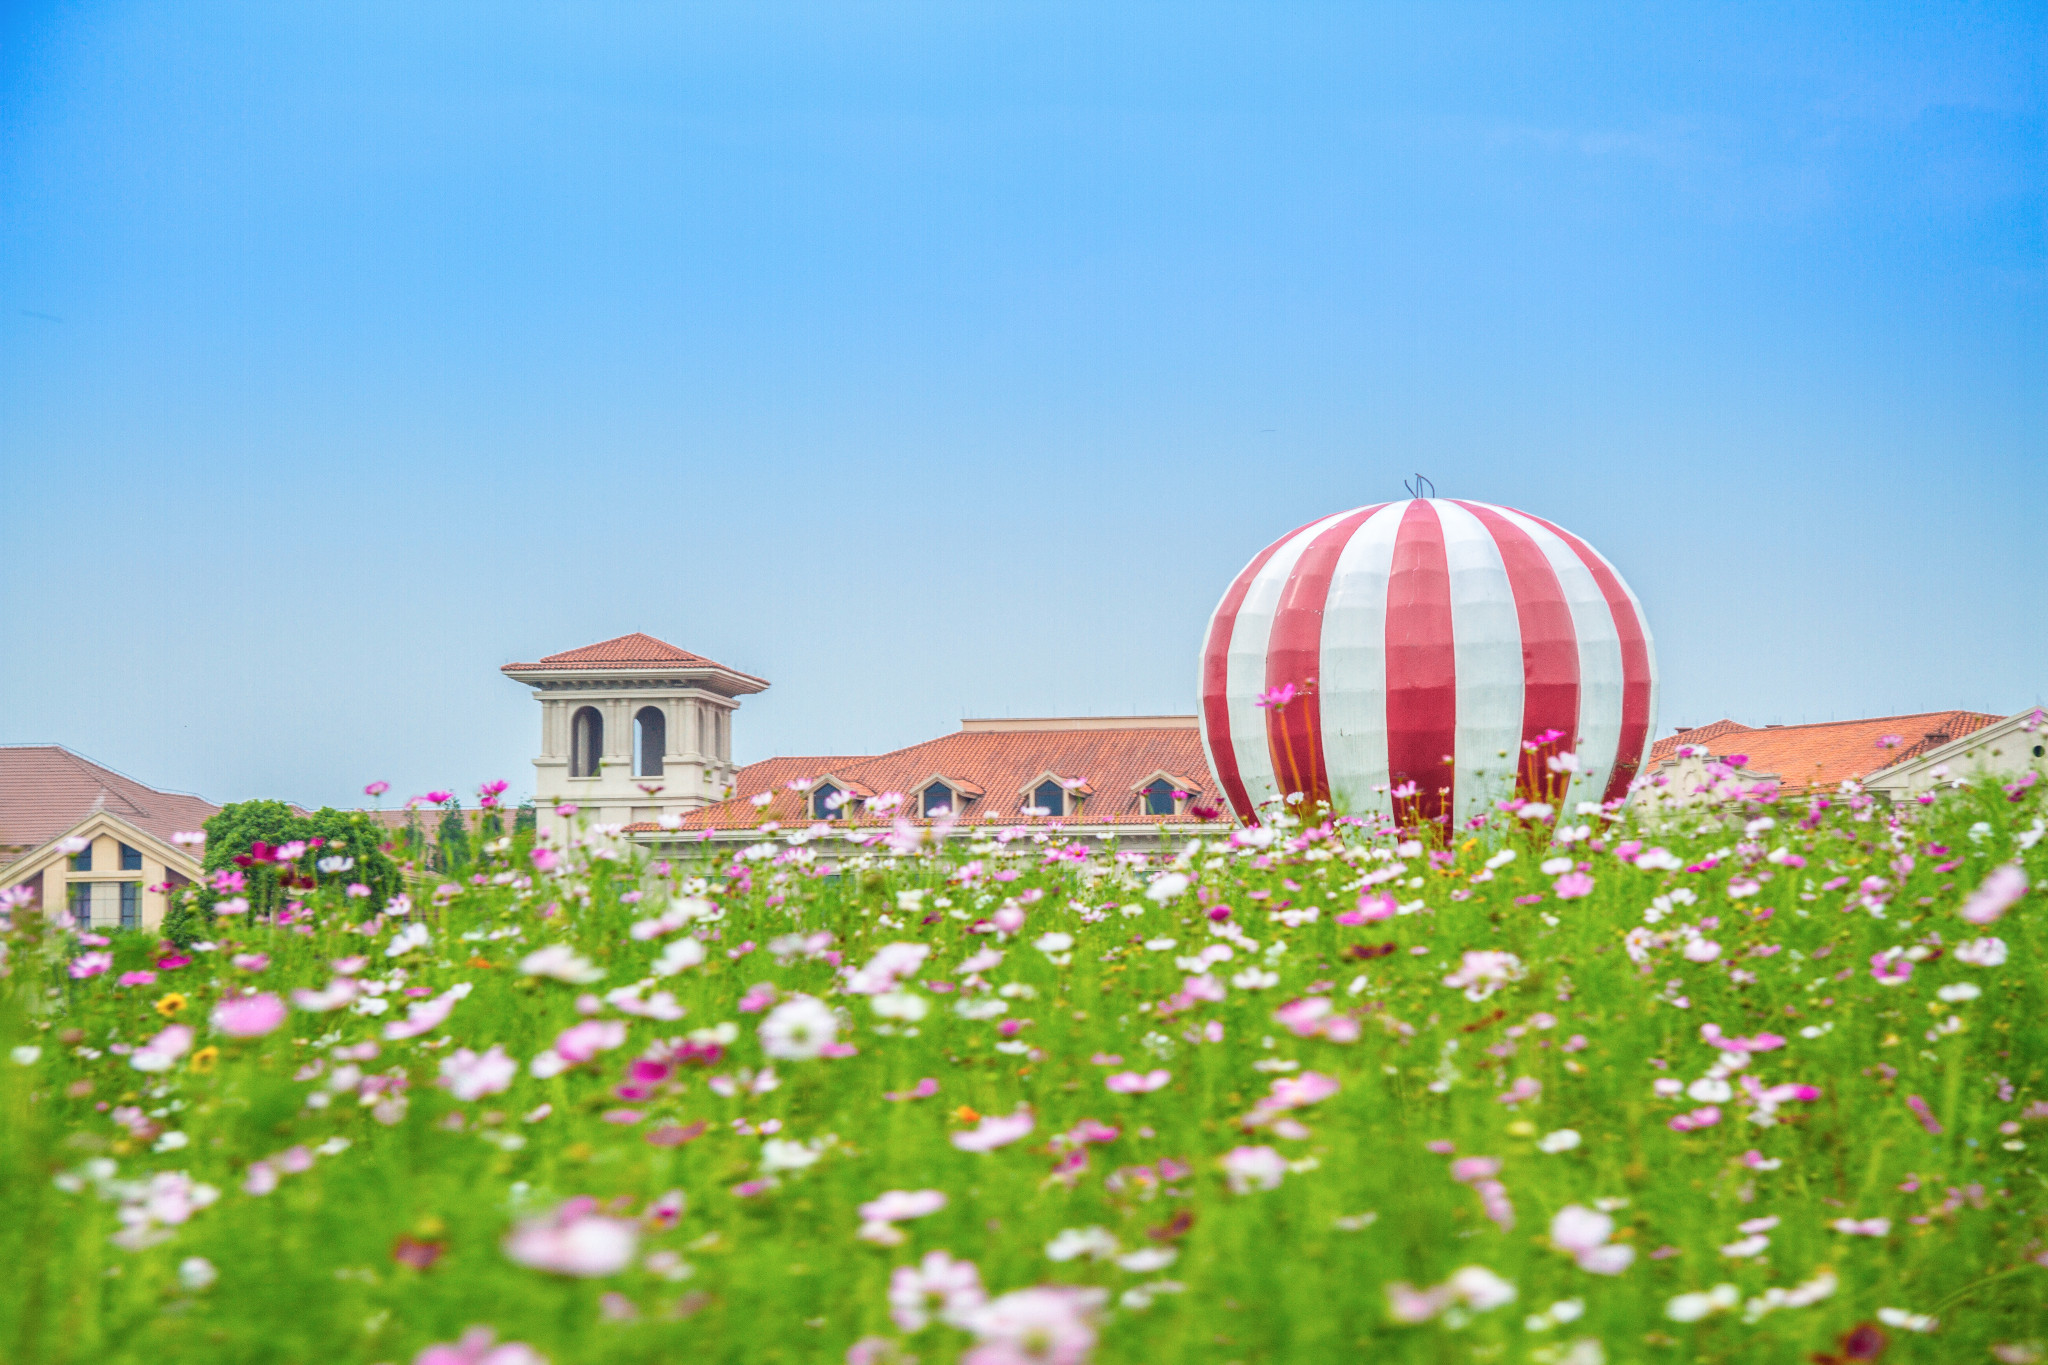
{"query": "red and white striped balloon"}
[(1422, 639)]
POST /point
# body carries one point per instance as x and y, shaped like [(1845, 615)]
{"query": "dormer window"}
[(1049, 798), (939, 800), (1160, 797), (826, 801)]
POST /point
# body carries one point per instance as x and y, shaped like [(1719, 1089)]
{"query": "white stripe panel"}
[(1600, 676), (1247, 663), (1649, 648), (1353, 690), (1486, 633)]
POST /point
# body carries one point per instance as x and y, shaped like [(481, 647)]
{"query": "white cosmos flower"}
[(799, 1029), (562, 963)]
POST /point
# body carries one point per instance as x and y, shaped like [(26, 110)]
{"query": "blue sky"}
[(951, 359)]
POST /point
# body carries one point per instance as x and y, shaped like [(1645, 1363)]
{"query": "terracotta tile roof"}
[(1698, 734), (1813, 756), (626, 653), (1003, 764), (45, 789)]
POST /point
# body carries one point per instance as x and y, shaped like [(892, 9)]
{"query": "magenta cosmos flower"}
[(248, 1016)]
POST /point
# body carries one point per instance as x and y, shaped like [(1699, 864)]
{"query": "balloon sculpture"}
[(1428, 657)]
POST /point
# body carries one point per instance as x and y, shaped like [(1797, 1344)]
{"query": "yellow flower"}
[(171, 1005), (203, 1060)]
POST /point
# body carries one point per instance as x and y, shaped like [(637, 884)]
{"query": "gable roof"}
[(624, 653), (46, 789), (1806, 757), (1113, 759), (1918, 762)]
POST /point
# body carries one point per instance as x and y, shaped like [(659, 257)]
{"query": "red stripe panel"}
[(1216, 680), (1294, 655), (1635, 662), (1550, 646), (1422, 666)]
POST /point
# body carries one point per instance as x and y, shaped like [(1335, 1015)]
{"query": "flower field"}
[(1765, 1080)]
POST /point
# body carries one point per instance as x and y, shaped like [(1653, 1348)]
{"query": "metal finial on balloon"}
[(1420, 483)]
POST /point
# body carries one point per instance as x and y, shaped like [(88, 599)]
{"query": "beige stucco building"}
[(89, 844), (2004, 749), (632, 730)]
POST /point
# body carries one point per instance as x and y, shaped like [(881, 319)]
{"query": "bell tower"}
[(632, 729)]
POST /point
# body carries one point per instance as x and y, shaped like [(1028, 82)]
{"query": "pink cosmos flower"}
[(1762, 1042), (1315, 1017), (1278, 697), (665, 1212), (1997, 894), (251, 962), (1296, 1092), (1706, 1116), (377, 788), (161, 1053), (574, 1240), (1483, 972), (953, 1286), (1572, 886), (880, 1215), (1982, 952), (90, 964), (1524, 1088), (333, 996), (1582, 1234), (923, 1090), (1044, 1325), (1862, 1227), (136, 979), (421, 1017), (1474, 1286), (1253, 1168), (470, 1075), (1925, 1115), (1372, 906), (581, 1042), (1890, 967), (249, 1016), (892, 963), (1132, 1083), (996, 1130)]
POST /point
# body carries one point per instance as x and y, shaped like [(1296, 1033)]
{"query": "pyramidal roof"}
[(626, 653)]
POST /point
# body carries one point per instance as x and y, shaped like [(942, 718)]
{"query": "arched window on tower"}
[(586, 742), (1050, 797), (1159, 797), (651, 738)]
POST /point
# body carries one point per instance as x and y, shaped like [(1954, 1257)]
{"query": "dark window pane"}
[(1159, 798), (81, 861), (81, 904), (822, 807), (131, 859), (586, 742), (131, 905), (653, 740), (1050, 798), (937, 797)]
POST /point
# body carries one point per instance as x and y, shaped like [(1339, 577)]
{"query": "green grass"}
[(308, 1272)]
